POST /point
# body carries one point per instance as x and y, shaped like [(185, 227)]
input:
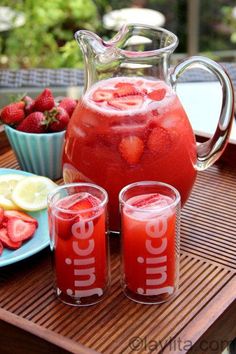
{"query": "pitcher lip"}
[(125, 28), (120, 35)]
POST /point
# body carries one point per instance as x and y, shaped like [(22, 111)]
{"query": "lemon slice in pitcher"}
[(31, 194), (7, 185)]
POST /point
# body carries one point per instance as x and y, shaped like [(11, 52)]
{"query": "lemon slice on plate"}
[(31, 193), (7, 184)]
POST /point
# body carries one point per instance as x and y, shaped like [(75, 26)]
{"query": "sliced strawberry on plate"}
[(20, 215), (19, 230), (131, 149), (1, 248), (103, 95), (157, 95), (127, 102), (6, 241), (1, 215)]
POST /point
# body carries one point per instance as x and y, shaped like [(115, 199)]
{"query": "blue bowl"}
[(38, 153)]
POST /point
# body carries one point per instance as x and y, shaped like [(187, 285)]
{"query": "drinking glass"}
[(150, 228), (79, 242)]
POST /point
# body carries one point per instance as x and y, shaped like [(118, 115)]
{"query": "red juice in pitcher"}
[(128, 129)]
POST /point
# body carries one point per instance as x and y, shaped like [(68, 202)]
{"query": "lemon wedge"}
[(7, 185), (31, 194)]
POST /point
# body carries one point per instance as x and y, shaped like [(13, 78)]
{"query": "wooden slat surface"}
[(208, 266)]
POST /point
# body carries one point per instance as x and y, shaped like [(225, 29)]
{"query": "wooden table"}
[(201, 319)]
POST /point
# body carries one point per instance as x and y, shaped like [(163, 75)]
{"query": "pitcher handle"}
[(209, 151)]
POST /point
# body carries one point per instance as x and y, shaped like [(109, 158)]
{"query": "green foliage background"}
[(46, 39)]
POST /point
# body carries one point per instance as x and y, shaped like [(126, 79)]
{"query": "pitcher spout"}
[(90, 42)]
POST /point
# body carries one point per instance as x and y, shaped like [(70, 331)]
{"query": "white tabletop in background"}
[(202, 103)]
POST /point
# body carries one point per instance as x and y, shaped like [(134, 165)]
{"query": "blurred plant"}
[(46, 38), (229, 14)]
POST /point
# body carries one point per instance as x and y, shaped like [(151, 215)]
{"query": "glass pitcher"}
[(129, 125)]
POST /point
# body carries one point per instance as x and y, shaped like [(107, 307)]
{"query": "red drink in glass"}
[(129, 129), (78, 238), (150, 239)]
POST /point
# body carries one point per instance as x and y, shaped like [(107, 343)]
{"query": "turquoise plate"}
[(39, 241)]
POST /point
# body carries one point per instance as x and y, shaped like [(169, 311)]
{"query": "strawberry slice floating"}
[(125, 89), (131, 149), (127, 102), (159, 141), (86, 203), (83, 202), (19, 230), (103, 95), (157, 95), (147, 201)]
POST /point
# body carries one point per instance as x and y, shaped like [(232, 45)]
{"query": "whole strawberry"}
[(68, 104), (44, 102), (57, 119), (33, 123), (13, 113), (29, 104)]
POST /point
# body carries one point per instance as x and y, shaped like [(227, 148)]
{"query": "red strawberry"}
[(157, 95), (57, 119), (159, 141), (125, 89), (33, 123), (131, 149), (29, 104), (81, 202), (44, 102), (87, 202), (63, 225), (127, 102), (103, 95), (1, 215), (1, 248), (13, 113), (147, 201), (20, 215), (68, 104), (6, 241), (19, 230)]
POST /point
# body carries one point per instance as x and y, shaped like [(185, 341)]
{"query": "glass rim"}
[(129, 53), (149, 183), (52, 194), (123, 31)]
